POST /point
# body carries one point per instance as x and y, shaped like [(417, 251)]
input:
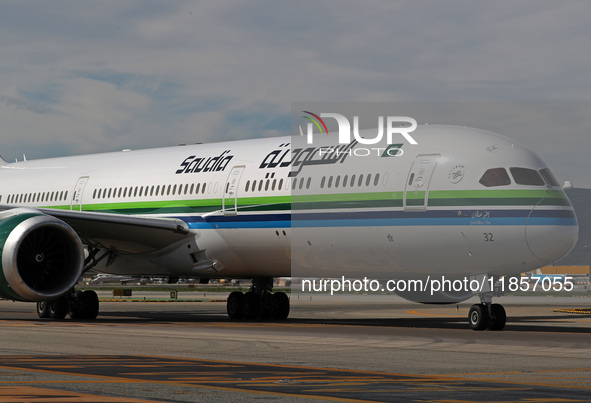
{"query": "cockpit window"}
[(549, 177), (495, 177), (526, 176)]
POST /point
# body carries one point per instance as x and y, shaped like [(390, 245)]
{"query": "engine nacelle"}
[(41, 256)]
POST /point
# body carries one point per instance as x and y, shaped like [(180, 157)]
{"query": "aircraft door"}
[(76, 203), (416, 191), (230, 200)]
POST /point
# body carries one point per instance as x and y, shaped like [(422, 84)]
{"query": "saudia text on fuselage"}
[(194, 164), (285, 156), (301, 157)]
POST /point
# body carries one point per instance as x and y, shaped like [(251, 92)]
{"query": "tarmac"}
[(339, 348)]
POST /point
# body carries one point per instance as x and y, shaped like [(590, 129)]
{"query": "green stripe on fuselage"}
[(436, 198)]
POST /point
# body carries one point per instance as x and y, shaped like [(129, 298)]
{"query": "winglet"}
[(2, 162)]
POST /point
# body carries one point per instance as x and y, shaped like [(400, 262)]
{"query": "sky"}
[(85, 77)]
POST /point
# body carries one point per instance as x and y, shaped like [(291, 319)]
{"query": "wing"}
[(128, 234)]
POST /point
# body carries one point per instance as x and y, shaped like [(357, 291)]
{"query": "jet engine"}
[(41, 256)]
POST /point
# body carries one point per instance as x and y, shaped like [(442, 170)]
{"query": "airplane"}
[(463, 203), (539, 277), (111, 278)]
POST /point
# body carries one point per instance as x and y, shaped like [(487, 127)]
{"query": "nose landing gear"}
[(487, 315)]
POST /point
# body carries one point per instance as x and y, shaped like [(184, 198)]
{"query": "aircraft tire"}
[(234, 305), (76, 306), (58, 308), (498, 318), (90, 304), (251, 305), (266, 310), (43, 309), (478, 317), (280, 306)]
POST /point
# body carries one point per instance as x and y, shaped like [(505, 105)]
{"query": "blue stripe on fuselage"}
[(386, 219)]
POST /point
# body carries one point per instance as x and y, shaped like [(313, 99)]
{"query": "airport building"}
[(581, 275)]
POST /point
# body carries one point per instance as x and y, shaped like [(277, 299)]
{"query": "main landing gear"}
[(78, 304), (259, 302), (487, 315)]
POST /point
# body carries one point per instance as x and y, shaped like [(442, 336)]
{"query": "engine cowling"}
[(41, 256)]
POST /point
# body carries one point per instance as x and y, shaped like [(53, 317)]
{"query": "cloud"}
[(134, 74)]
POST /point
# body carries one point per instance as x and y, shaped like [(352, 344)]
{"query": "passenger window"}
[(549, 177), (308, 183), (495, 177), (526, 176)]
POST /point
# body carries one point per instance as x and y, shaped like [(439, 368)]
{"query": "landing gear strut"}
[(258, 302), (79, 304)]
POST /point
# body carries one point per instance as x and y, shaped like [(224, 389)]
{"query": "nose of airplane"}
[(551, 234)]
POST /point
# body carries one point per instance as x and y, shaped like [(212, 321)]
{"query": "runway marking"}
[(519, 372), (270, 379), (30, 394)]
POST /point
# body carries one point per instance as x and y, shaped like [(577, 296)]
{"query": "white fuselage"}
[(274, 207)]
